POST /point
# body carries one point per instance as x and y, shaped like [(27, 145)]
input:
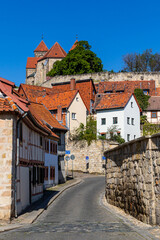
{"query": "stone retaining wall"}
[(81, 150), (106, 76), (133, 178)]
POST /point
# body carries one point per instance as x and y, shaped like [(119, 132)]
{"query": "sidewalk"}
[(33, 211)]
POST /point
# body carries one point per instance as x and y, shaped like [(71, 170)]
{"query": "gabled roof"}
[(41, 47), (74, 45), (85, 88), (126, 86), (52, 101), (7, 105), (56, 51), (154, 103), (32, 62), (113, 100), (43, 115), (3, 80), (21, 103), (31, 92)]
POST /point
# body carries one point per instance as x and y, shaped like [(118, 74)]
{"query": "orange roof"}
[(74, 45), (31, 92), (56, 51), (7, 82), (44, 116), (53, 101), (32, 62), (126, 86), (85, 88), (6, 105), (41, 47), (113, 100)]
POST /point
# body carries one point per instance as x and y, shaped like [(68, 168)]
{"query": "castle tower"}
[(41, 50)]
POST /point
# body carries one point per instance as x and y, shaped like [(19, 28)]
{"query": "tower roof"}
[(41, 47), (74, 45), (56, 51)]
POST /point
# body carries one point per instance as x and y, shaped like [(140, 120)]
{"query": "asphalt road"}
[(77, 214)]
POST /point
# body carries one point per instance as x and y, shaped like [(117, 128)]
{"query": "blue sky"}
[(112, 28)]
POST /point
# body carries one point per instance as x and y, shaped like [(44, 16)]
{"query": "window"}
[(131, 104), (73, 115), (128, 120), (115, 120), (41, 141), (134, 136), (52, 173), (103, 121), (146, 91), (132, 121), (77, 99), (108, 91), (46, 145), (153, 114), (128, 137), (46, 173)]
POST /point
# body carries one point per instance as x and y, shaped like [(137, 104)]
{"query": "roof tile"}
[(32, 62), (56, 51), (41, 47)]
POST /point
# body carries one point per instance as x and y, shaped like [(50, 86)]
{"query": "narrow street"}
[(77, 214)]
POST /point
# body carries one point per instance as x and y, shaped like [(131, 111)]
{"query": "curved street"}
[(77, 214)]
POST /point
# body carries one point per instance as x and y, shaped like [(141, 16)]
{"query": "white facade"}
[(51, 164), (127, 118), (77, 113)]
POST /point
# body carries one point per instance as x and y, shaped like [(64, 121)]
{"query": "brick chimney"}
[(59, 113), (72, 84)]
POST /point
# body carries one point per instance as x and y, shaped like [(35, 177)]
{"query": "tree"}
[(145, 62), (88, 132), (79, 60), (141, 98)]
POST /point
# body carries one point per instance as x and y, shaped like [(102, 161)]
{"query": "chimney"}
[(72, 84), (59, 113)]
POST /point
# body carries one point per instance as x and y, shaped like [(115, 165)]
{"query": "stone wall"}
[(7, 163), (81, 150), (107, 76), (133, 178)]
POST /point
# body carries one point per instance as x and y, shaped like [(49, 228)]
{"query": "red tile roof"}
[(7, 105), (44, 116), (52, 101), (56, 51), (31, 92), (113, 100), (20, 102), (32, 62), (74, 45), (85, 89), (41, 47), (7, 82), (126, 86)]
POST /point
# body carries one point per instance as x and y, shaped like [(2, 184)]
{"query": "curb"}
[(13, 226)]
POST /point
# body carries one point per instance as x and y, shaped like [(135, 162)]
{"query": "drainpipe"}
[(17, 161)]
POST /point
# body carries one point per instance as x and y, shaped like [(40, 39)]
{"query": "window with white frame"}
[(115, 120), (128, 120), (128, 137), (103, 121), (132, 121), (73, 115), (131, 104)]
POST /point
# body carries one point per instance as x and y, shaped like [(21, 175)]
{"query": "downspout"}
[(17, 161)]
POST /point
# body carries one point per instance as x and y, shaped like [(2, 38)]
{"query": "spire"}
[(56, 51), (75, 44), (41, 47)]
